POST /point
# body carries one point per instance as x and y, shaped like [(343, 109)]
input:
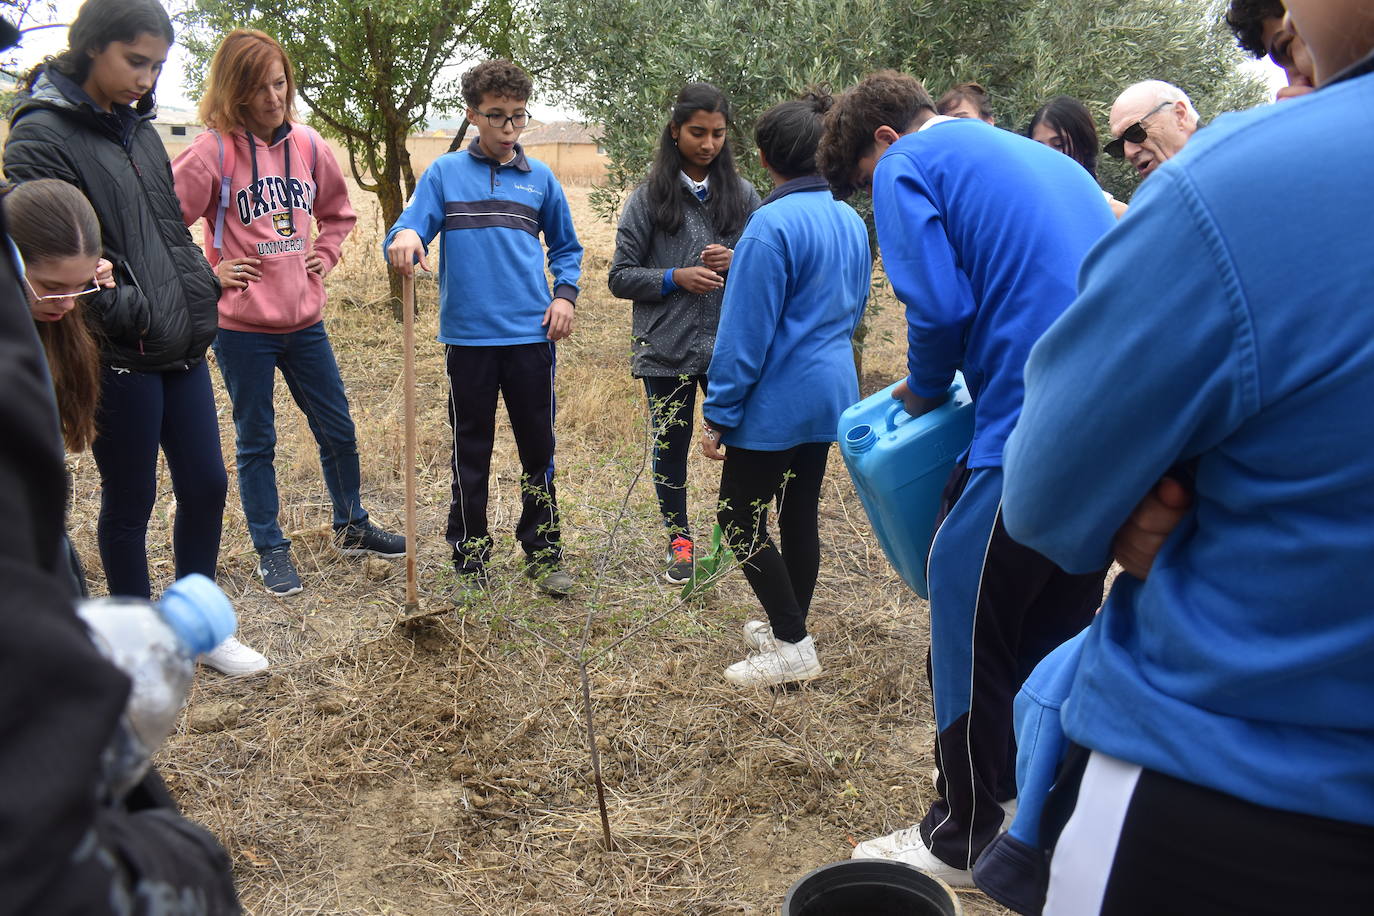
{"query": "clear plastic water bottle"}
[(156, 646)]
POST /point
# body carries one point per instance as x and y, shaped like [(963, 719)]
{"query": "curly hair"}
[(496, 77), (973, 93), (886, 98), (788, 133), (1246, 19)]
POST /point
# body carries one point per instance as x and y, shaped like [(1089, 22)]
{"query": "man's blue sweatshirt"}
[(1227, 325), (492, 287), (982, 234), (783, 367)]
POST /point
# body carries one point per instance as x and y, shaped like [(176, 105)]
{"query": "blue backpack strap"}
[(226, 171)]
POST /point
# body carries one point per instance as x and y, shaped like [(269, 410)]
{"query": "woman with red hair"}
[(258, 178)]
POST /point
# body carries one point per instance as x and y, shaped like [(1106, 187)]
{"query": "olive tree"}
[(621, 62)]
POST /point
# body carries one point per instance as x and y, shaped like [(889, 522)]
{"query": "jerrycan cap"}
[(860, 438), (198, 612)]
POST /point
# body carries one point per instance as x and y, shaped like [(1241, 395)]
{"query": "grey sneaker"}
[(552, 580), (368, 540), (278, 572)]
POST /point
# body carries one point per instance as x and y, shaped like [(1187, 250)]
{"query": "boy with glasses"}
[(1150, 122), (497, 316)]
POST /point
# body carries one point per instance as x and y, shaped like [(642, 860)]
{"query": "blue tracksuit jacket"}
[(492, 286), (1225, 324), (979, 288), (783, 368)]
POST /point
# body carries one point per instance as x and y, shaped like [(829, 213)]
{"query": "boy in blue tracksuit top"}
[(497, 317), (982, 233), (1226, 701)]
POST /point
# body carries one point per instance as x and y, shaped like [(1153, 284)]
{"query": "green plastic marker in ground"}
[(718, 557)]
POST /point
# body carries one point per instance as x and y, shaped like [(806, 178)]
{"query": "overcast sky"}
[(171, 90)]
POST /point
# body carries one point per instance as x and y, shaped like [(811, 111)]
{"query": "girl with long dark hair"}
[(673, 248), (58, 238), (1064, 123), (86, 120)]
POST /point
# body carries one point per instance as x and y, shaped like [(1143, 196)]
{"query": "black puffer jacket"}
[(163, 312)]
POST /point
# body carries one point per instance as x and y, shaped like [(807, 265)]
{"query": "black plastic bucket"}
[(870, 887)]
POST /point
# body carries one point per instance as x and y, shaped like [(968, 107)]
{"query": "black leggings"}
[(783, 581), (672, 401), (140, 411)]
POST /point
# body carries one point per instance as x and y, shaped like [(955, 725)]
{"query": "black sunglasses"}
[(1116, 147)]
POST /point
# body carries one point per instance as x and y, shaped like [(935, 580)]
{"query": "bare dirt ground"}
[(377, 769)]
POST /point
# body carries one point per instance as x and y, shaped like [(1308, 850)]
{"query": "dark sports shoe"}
[(470, 589), (550, 578), (278, 572), (368, 540), (681, 566)]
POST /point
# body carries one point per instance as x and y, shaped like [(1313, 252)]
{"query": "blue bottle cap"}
[(198, 612), (860, 438)]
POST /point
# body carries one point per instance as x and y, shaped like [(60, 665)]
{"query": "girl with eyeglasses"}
[(673, 250), (86, 118), (58, 239)]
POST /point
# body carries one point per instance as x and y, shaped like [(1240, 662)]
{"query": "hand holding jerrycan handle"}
[(899, 465)]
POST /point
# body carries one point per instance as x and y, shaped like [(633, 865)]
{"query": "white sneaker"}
[(787, 663), (758, 635), (906, 845), (233, 658)]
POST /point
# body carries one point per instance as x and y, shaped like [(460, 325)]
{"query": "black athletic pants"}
[(783, 581), (996, 609), (672, 402), (1140, 843), (523, 375)]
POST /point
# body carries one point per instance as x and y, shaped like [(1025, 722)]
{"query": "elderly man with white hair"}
[(1150, 122)]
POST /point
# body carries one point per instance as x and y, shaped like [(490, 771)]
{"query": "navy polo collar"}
[(519, 162), (793, 185)]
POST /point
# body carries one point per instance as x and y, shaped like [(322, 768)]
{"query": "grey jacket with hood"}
[(673, 334), (163, 312)]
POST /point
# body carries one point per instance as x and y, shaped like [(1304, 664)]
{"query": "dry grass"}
[(382, 770)]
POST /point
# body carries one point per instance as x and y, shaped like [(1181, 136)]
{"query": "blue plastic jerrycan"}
[(899, 465)]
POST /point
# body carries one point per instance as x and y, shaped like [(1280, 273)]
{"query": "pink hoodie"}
[(268, 226)]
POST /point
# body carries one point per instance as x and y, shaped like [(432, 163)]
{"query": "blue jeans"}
[(249, 361)]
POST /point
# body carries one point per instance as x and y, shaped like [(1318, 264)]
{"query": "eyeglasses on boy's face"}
[(1135, 133), (59, 297), (499, 120)]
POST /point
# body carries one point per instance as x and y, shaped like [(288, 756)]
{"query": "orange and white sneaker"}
[(681, 566)]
